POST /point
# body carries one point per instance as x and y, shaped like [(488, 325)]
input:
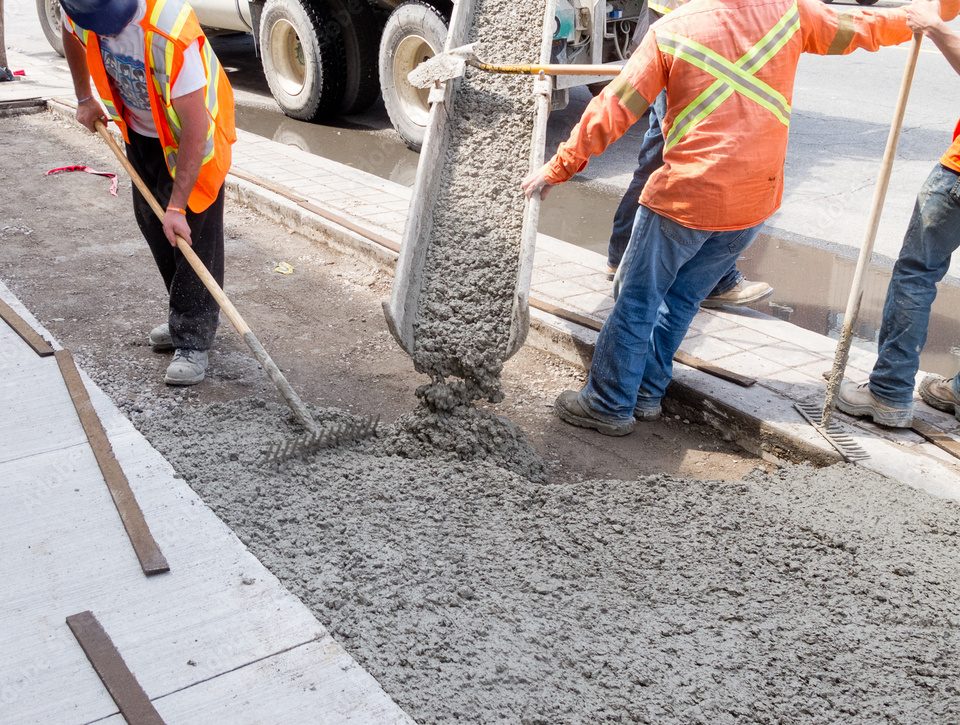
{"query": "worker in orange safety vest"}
[(728, 67), (163, 86)]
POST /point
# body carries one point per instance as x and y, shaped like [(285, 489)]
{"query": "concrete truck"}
[(326, 58)]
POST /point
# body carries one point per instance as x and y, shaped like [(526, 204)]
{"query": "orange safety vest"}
[(169, 28), (728, 67)]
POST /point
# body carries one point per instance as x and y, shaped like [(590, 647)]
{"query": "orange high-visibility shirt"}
[(728, 67), (951, 159)]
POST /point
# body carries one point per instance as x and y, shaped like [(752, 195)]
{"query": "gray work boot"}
[(743, 293), (859, 401), (160, 338), (189, 367), (569, 409), (647, 415), (937, 392)]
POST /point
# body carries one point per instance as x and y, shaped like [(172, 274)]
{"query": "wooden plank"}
[(151, 558), (120, 682), (937, 437), (681, 357), (20, 326)]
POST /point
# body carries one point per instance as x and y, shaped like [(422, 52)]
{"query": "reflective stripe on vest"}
[(738, 77), (662, 7)]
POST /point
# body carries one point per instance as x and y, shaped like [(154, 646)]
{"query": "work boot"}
[(937, 392), (611, 272), (859, 401), (570, 410), (743, 293), (189, 367), (647, 415), (160, 338)]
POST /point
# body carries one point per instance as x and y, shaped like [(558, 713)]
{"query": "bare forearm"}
[(193, 136), (77, 60), (948, 42)]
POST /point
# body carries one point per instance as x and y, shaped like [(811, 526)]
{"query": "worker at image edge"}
[(931, 239), (163, 86), (728, 67)]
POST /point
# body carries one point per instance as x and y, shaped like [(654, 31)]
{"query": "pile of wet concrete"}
[(476, 592)]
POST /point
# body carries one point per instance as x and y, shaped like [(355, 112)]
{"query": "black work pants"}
[(194, 313)]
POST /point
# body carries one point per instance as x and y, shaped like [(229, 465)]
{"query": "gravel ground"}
[(474, 594)]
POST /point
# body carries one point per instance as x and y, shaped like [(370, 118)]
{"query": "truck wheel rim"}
[(52, 9), (288, 57), (411, 52)]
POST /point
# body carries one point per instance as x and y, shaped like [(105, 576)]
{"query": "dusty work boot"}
[(189, 367), (743, 293), (160, 339), (647, 415), (859, 401), (611, 272), (570, 410), (937, 392)]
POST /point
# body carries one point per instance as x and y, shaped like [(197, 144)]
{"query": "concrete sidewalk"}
[(358, 211), (217, 639)]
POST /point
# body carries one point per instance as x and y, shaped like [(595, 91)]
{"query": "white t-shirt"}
[(123, 55)]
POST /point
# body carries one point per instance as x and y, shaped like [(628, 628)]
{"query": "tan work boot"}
[(859, 401), (937, 392), (743, 293), (570, 410)]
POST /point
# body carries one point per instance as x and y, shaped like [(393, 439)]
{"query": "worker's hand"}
[(536, 183), (175, 223), (924, 16), (89, 112)]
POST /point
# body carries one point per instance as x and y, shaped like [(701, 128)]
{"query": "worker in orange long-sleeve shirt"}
[(728, 67)]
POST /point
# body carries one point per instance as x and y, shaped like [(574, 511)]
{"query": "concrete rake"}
[(332, 436), (823, 424)]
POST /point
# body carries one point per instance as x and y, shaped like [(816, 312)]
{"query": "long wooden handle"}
[(198, 266), (866, 251), (259, 352), (553, 70)]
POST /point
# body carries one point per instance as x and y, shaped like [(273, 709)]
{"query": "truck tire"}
[(414, 32), (302, 58), (359, 27), (866, 2), (49, 13)]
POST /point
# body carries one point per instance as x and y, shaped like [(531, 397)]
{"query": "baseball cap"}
[(103, 17)]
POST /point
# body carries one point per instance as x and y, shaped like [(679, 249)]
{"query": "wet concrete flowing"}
[(470, 274)]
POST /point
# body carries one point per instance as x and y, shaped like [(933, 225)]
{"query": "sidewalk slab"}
[(217, 632)]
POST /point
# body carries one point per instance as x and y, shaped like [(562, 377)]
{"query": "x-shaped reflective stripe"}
[(738, 77)]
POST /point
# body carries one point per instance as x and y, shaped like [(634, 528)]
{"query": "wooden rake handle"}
[(269, 366), (866, 251)]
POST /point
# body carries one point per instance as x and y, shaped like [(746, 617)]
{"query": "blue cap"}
[(103, 17)]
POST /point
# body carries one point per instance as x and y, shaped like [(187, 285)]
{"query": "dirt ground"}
[(629, 586)]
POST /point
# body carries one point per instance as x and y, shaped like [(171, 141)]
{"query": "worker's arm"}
[(89, 110), (830, 32), (923, 17), (194, 125), (607, 117)]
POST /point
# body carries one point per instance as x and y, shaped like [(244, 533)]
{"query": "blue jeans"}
[(931, 238), (666, 272), (649, 160)]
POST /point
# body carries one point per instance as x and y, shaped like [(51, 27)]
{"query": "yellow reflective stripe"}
[(845, 32), (180, 21), (722, 69), (743, 69), (629, 96), (662, 9)]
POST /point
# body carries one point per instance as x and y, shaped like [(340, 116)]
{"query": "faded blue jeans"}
[(650, 158), (931, 238), (666, 272)]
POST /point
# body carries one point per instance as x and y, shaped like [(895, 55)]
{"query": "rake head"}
[(836, 436), (330, 436)]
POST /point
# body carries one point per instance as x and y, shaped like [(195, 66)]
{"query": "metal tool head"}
[(335, 434), (834, 433), (443, 67)]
